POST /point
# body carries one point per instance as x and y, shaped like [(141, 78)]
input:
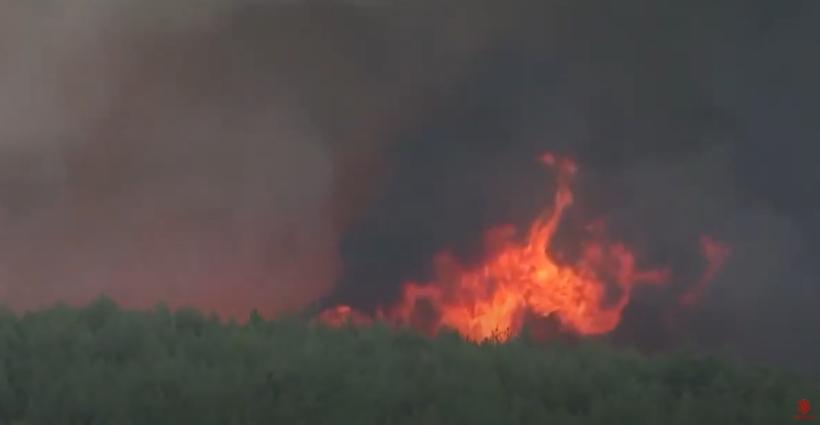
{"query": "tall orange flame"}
[(517, 278)]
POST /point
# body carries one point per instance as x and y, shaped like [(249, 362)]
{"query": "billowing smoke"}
[(207, 153), (262, 154), (685, 120)]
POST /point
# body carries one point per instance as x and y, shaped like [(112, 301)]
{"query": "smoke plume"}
[(685, 120), (263, 154), (207, 153)]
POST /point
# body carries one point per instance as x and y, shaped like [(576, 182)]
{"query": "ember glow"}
[(517, 278)]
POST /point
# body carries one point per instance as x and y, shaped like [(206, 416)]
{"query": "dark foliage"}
[(102, 365)]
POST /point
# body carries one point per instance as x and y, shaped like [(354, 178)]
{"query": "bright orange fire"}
[(516, 278), (342, 314)]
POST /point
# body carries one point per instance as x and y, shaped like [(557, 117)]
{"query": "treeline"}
[(102, 365)]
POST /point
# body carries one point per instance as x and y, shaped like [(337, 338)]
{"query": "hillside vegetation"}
[(106, 366)]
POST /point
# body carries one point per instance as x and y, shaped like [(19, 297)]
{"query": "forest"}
[(100, 364)]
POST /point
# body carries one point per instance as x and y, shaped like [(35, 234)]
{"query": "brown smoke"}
[(207, 153)]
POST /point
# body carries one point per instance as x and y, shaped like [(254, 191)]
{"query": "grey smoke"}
[(197, 152), (686, 119), (262, 154)]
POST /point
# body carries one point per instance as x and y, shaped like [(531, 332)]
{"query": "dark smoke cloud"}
[(687, 119), (218, 153)]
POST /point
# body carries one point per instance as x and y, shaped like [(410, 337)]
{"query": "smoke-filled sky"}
[(269, 153)]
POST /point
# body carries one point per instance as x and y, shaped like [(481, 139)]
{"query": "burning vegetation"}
[(524, 281)]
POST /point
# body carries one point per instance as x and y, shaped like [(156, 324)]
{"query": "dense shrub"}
[(102, 365)]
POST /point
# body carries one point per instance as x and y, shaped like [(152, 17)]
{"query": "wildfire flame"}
[(518, 278)]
